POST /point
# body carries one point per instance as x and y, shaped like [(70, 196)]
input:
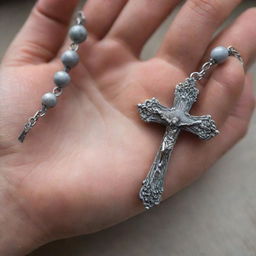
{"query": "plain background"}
[(214, 216)]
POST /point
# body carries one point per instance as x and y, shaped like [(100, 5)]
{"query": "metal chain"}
[(57, 91), (197, 76), (32, 122), (74, 47), (233, 52), (40, 113), (80, 19)]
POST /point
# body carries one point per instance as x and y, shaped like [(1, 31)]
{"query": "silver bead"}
[(219, 54), (70, 58), (49, 100), (62, 78), (78, 33)]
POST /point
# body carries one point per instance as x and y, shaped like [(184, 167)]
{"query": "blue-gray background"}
[(214, 216)]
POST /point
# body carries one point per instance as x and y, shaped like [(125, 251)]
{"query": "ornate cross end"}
[(151, 111), (202, 126), (185, 95), (153, 186), (151, 195)]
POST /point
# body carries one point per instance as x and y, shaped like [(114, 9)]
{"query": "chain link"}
[(57, 91), (40, 113), (32, 122), (233, 52), (74, 47), (80, 19), (197, 76)]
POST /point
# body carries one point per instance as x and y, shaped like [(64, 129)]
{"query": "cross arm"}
[(202, 126), (152, 111)]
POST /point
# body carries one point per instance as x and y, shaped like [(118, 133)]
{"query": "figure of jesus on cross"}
[(175, 119)]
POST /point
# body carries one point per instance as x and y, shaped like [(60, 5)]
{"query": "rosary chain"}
[(32, 122), (233, 52), (74, 47), (40, 113), (57, 91), (197, 76), (80, 19)]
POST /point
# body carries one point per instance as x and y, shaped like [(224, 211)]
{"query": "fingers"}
[(242, 35), (101, 15), (43, 33), (222, 91), (245, 106), (238, 122), (226, 84), (139, 20), (192, 31)]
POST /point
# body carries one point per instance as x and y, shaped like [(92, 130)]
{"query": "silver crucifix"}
[(175, 119)]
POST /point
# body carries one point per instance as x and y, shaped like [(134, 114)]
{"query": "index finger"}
[(43, 33)]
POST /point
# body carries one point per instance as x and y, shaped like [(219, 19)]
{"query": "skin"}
[(81, 168)]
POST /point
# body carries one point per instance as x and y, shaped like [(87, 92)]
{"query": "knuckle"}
[(206, 8)]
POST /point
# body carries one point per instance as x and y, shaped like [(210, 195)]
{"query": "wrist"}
[(18, 235)]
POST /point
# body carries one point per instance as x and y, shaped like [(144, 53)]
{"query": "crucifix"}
[(175, 119)]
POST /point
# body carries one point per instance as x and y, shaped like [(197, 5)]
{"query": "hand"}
[(81, 168)]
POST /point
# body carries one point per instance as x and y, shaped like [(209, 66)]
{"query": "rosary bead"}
[(49, 100), (62, 78), (78, 33), (70, 58), (219, 54)]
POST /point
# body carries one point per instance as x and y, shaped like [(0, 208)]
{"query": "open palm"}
[(81, 168)]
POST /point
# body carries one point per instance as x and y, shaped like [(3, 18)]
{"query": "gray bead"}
[(49, 100), (219, 54), (78, 33), (61, 78), (70, 58)]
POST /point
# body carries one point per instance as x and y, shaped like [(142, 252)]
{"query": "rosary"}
[(175, 118)]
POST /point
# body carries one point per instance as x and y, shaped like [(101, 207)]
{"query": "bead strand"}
[(70, 58)]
